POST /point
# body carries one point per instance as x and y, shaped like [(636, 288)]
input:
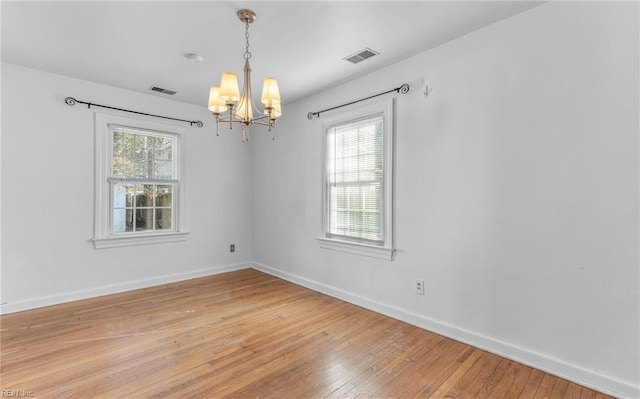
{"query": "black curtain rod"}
[(72, 101), (404, 89)]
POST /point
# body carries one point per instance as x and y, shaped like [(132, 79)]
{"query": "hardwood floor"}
[(248, 335)]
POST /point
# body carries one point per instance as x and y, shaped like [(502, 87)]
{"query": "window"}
[(357, 192), (143, 180), (138, 182), (354, 180)]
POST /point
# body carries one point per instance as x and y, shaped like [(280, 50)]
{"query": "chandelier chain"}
[(247, 53)]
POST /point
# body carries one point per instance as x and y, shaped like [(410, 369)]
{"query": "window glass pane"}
[(137, 155), (144, 195), (144, 201), (119, 220), (131, 193), (163, 170), (143, 165), (144, 219), (122, 154), (355, 211), (164, 196), (138, 169), (122, 195), (163, 219), (140, 145), (117, 154), (129, 221), (164, 148)]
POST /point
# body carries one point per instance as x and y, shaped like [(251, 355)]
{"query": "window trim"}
[(355, 246), (103, 236)]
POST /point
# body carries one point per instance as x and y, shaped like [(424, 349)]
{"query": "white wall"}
[(516, 193), (48, 189)]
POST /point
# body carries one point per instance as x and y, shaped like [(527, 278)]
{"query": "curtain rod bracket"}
[(72, 101)]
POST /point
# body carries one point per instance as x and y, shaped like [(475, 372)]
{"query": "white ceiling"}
[(139, 44)]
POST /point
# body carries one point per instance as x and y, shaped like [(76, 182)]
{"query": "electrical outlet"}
[(419, 286), (232, 248)]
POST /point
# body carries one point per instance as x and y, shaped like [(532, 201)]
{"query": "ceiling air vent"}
[(161, 90), (361, 55)]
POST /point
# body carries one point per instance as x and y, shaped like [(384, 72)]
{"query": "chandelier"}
[(230, 105)]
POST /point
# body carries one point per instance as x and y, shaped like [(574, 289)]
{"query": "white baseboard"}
[(529, 357), (33, 303)]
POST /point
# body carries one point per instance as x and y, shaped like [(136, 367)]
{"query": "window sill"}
[(357, 248), (126, 241)]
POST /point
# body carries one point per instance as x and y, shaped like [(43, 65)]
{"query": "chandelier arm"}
[(259, 122), (261, 118), (225, 115)]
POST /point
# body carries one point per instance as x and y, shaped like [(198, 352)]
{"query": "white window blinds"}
[(355, 180)]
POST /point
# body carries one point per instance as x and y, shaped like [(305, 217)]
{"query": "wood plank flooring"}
[(246, 334)]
